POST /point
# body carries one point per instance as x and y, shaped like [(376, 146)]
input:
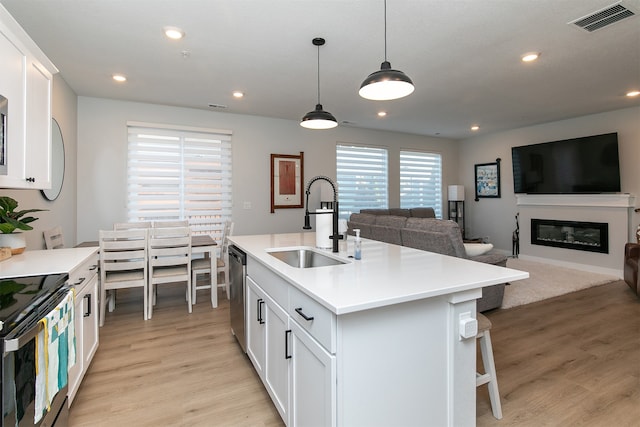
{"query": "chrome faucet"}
[(307, 224)]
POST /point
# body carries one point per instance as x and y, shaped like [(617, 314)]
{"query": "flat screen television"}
[(586, 165)]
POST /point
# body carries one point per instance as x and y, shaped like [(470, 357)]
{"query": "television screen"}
[(580, 165)]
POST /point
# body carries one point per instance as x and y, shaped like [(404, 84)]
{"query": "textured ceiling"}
[(463, 56)]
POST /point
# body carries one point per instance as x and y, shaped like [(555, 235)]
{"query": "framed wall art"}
[(287, 176), (487, 176)]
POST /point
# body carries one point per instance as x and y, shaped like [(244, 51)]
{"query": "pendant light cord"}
[(385, 30), (318, 74)]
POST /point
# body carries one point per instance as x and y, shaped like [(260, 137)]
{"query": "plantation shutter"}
[(421, 180), (363, 180), (179, 173)]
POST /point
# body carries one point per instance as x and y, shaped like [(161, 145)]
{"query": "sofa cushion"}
[(363, 222), (399, 212), (422, 213), (374, 211), (450, 228), (432, 241)]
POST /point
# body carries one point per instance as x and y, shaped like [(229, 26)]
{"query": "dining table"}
[(202, 244)]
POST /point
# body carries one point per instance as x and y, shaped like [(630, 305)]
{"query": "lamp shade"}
[(456, 193), (318, 119), (386, 84)]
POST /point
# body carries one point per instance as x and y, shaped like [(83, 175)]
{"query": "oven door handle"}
[(14, 344)]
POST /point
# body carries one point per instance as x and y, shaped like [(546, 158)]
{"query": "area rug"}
[(547, 281)]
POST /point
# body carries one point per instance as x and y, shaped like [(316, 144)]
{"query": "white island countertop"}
[(42, 262), (387, 274)]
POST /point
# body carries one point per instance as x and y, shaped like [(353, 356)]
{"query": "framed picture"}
[(488, 180), (287, 175)]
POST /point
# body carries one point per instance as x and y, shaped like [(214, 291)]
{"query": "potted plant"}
[(12, 220)]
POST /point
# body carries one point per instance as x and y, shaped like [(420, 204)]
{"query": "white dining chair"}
[(123, 264), (53, 238), (203, 266), (169, 260), (132, 225), (171, 223)]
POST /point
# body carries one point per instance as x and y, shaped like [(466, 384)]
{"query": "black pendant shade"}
[(386, 83), (318, 118)]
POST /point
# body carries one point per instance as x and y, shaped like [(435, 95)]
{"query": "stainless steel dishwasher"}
[(237, 283)]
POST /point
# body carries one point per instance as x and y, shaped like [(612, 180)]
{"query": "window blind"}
[(363, 181), (421, 180), (179, 173)]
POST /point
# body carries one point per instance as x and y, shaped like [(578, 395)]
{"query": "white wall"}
[(102, 158), (61, 211), (496, 217)]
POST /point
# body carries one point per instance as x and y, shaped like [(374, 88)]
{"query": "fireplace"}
[(578, 235)]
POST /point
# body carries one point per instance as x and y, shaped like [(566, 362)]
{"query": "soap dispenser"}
[(358, 245)]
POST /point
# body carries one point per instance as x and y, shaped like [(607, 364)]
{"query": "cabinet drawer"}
[(82, 274), (272, 284), (319, 322)]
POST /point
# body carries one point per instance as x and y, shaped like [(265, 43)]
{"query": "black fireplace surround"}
[(583, 236)]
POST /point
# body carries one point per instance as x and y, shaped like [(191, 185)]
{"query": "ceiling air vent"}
[(603, 17)]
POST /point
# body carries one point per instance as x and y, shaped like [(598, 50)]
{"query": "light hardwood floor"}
[(570, 361)]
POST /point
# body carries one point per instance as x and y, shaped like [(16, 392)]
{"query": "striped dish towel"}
[(55, 353)]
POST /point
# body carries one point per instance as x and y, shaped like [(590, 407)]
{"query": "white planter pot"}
[(15, 241)]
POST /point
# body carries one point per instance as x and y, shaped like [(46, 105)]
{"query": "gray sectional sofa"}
[(427, 233)]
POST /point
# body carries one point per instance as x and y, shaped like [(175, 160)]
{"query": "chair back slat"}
[(53, 238), (132, 225)]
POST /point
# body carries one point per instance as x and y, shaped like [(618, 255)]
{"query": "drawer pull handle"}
[(259, 305), (286, 344), (93, 267), (88, 312), (80, 280), (304, 316)]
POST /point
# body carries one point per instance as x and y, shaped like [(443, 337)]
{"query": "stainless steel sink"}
[(305, 258)]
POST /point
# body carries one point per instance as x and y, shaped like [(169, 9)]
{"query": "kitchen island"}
[(379, 341)]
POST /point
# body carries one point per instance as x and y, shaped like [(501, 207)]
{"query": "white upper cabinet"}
[(26, 79)]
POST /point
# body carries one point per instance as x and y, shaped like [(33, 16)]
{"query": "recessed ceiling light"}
[(119, 78), (633, 93), (382, 113), (237, 94), (475, 127), (173, 33), (531, 56)]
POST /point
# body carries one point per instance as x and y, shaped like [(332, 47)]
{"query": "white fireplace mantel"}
[(583, 200), (614, 209)]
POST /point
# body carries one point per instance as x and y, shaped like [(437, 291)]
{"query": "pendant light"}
[(386, 83), (318, 118)]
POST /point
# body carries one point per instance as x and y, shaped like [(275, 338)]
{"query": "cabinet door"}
[(277, 356), (76, 371), (89, 323), (38, 132), (256, 326), (313, 381), (12, 83)]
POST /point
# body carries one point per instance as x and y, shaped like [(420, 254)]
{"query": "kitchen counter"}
[(40, 262), (386, 274)]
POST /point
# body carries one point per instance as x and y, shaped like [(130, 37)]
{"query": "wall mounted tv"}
[(580, 165)]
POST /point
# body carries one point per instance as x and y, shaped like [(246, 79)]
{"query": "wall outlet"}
[(468, 326), (246, 205)]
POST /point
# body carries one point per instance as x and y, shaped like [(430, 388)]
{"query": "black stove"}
[(22, 298)]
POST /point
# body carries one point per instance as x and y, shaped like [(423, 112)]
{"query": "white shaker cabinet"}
[(84, 278), (297, 371), (256, 326), (313, 384), (267, 344), (26, 79)]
